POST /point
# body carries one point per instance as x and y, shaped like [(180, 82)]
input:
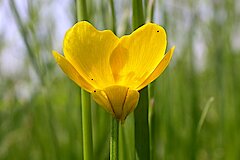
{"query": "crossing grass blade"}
[(142, 144), (85, 98)]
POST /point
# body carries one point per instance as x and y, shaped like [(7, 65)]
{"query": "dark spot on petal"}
[(92, 79), (157, 31), (94, 91)]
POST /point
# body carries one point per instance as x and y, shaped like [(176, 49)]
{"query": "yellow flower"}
[(114, 69)]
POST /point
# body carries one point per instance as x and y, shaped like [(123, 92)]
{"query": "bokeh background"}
[(195, 103)]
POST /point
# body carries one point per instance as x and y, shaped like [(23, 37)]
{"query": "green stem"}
[(204, 114), (114, 139), (138, 17), (85, 97), (87, 126), (150, 10), (114, 146), (81, 10), (113, 17), (80, 125), (142, 145)]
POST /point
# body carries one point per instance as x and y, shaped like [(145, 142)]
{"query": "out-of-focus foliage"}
[(39, 105)]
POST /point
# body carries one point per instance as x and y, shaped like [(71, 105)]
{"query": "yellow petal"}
[(101, 98), (139, 54), (159, 69), (118, 100), (130, 103), (117, 96), (72, 73), (118, 60), (89, 50)]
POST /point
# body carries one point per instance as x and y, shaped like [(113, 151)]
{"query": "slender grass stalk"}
[(81, 10), (149, 18), (81, 125), (167, 102), (114, 139), (204, 114), (142, 144), (113, 16), (87, 126), (194, 86), (141, 112), (150, 10), (85, 97), (150, 118), (123, 146), (138, 16)]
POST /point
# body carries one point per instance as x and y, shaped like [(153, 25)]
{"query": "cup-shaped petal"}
[(88, 50), (159, 69), (138, 55), (71, 72)]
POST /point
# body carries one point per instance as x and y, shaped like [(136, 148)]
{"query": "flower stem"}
[(85, 97), (87, 126), (115, 123), (114, 139)]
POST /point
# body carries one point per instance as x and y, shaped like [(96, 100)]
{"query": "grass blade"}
[(141, 112), (86, 98)]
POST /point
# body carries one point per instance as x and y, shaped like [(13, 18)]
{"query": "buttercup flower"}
[(114, 69)]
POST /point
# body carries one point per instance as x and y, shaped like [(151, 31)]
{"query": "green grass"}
[(47, 125)]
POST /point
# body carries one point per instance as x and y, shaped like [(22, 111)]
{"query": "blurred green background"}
[(40, 107)]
